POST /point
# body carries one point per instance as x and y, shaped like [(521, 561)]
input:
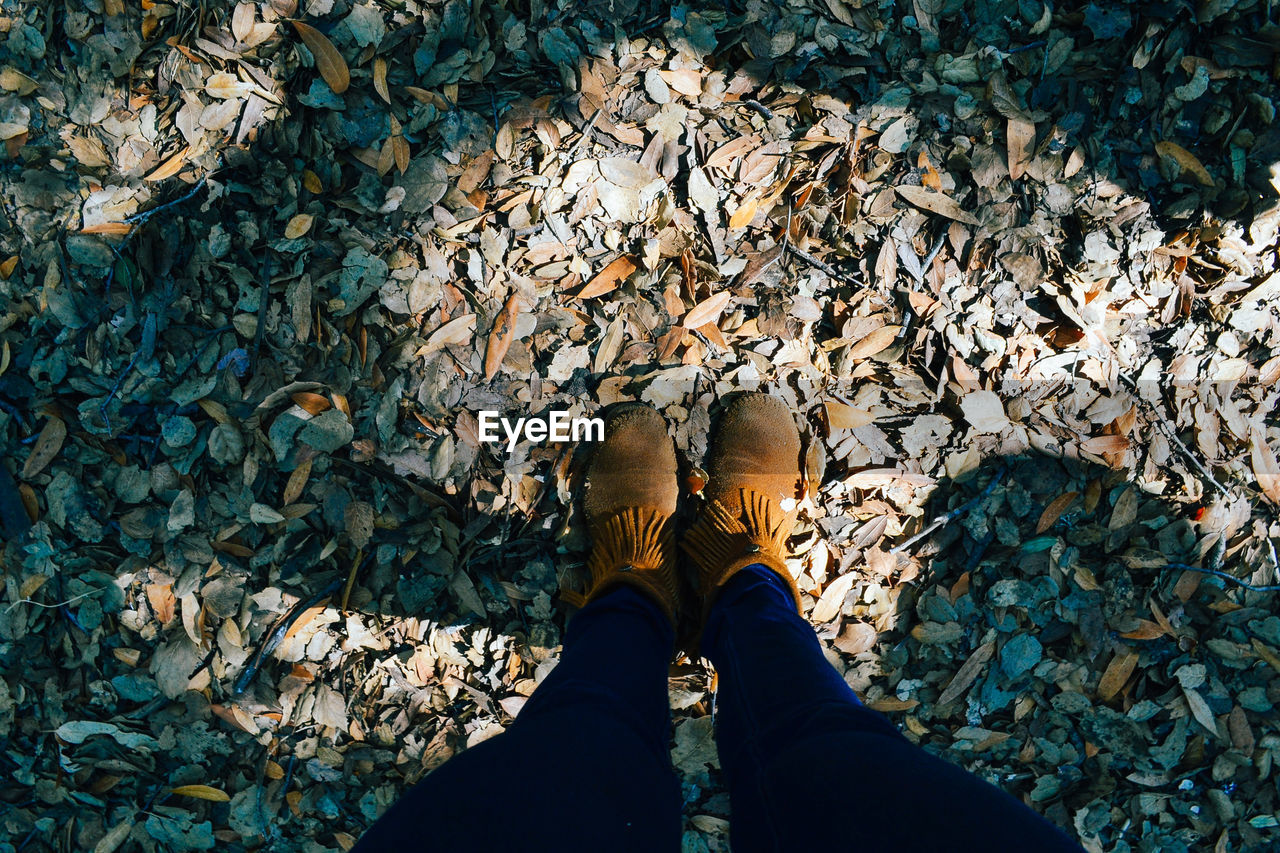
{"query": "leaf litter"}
[(1014, 267)]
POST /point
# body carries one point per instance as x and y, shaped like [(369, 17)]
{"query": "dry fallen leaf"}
[(936, 202), (1188, 161), (1117, 673), (873, 342), (500, 338), (968, 673), (332, 67), (298, 226), (202, 792), (1021, 137), (310, 402), (457, 331), (46, 447), (1054, 511), (608, 278), (169, 167), (984, 410), (1265, 466), (706, 311), (843, 416)]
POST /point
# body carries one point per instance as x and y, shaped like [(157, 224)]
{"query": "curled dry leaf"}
[(500, 338), (457, 331), (872, 343), (1188, 161), (609, 278), (968, 673), (707, 310), (1117, 673), (46, 448), (332, 67), (202, 792), (935, 202), (311, 403), (1054, 511), (170, 167)]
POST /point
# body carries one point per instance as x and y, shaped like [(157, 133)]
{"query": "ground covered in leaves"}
[(263, 264)]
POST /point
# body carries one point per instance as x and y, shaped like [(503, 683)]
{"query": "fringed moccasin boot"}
[(753, 485), (631, 493)]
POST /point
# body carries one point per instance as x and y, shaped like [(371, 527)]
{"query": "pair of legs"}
[(586, 766)]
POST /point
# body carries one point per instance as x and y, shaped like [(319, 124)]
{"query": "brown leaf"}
[(500, 338), (475, 172), (1146, 630), (1188, 161), (160, 597), (857, 638), (1265, 466), (359, 516), (1266, 653), (456, 331), (311, 403), (1021, 137), (1101, 444), (876, 341), (242, 21), (746, 211), (400, 150), (1117, 673), (380, 79), (202, 792), (332, 67), (170, 167), (1126, 509), (46, 447), (843, 416), (110, 228), (936, 203), (609, 278), (968, 673), (298, 225), (1054, 511), (706, 311), (297, 482), (890, 704), (1201, 711)]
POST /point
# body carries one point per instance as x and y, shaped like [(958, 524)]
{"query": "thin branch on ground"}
[(950, 516)]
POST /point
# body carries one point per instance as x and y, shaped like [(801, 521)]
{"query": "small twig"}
[(1169, 432), (276, 636), (141, 218), (586, 132), (351, 580), (820, 265), (948, 517), (71, 600), (1219, 574)]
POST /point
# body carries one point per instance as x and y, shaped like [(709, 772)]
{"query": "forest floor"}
[(1013, 265)]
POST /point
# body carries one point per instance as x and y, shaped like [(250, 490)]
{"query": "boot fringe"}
[(721, 544), (635, 547)]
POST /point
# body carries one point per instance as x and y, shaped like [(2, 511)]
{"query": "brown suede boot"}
[(752, 488), (630, 501)]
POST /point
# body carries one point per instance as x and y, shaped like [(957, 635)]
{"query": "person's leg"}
[(809, 767), (585, 766)]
